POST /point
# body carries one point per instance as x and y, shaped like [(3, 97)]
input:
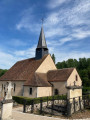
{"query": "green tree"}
[(2, 72), (53, 57)]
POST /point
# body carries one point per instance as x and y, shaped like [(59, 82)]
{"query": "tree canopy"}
[(2, 72), (53, 57)]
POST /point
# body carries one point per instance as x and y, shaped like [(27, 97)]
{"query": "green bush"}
[(22, 100)]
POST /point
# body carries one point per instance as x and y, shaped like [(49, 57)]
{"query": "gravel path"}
[(19, 115), (26, 116)]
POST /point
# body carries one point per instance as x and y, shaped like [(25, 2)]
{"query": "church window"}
[(76, 78), (56, 92), (14, 87), (30, 91)]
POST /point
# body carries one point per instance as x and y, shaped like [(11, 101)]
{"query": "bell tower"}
[(41, 49)]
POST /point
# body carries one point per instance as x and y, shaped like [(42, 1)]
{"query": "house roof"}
[(25, 70), (59, 75)]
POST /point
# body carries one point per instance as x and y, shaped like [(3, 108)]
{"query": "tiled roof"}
[(24, 70), (59, 75), (37, 81)]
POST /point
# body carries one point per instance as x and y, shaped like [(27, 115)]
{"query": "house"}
[(38, 76)]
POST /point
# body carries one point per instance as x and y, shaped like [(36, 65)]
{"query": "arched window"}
[(14, 87), (76, 78), (56, 92)]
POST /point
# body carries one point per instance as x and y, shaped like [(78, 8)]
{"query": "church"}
[(38, 76)]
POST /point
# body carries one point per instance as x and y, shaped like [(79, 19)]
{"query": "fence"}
[(57, 106), (52, 106)]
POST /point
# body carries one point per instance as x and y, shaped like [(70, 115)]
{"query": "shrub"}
[(22, 100)]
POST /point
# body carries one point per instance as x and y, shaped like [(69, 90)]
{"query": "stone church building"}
[(38, 76)]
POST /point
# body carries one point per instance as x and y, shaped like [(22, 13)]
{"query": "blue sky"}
[(66, 27)]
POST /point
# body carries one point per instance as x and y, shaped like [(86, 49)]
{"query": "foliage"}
[(86, 89), (82, 66), (2, 72), (21, 99), (53, 57)]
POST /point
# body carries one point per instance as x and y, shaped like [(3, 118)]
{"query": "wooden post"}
[(52, 105), (68, 108), (41, 105), (32, 106), (80, 103), (47, 100), (74, 104), (58, 98), (24, 106)]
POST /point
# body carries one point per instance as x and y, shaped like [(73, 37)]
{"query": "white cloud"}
[(16, 42), (64, 53), (67, 55), (63, 40), (28, 53), (80, 34), (52, 32), (27, 21), (56, 3), (6, 60)]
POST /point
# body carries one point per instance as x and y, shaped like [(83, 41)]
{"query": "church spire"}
[(41, 49), (42, 41)]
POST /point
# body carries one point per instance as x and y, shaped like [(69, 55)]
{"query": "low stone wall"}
[(45, 104), (76, 106)]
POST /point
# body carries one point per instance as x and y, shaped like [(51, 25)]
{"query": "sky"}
[(66, 27)]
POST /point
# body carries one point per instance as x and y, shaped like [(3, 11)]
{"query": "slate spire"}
[(42, 41), (41, 49)]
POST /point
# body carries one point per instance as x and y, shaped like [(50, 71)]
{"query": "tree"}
[(53, 57), (2, 72)]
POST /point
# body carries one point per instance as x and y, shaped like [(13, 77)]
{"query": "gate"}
[(53, 106)]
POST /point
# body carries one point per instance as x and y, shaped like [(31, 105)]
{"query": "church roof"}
[(59, 75), (25, 71), (37, 81), (42, 41)]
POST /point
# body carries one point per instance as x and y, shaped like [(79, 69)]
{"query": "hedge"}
[(22, 100)]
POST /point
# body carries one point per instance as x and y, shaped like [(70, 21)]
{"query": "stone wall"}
[(46, 65), (60, 86), (18, 89), (72, 93), (44, 91), (72, 79), (27, 94)]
